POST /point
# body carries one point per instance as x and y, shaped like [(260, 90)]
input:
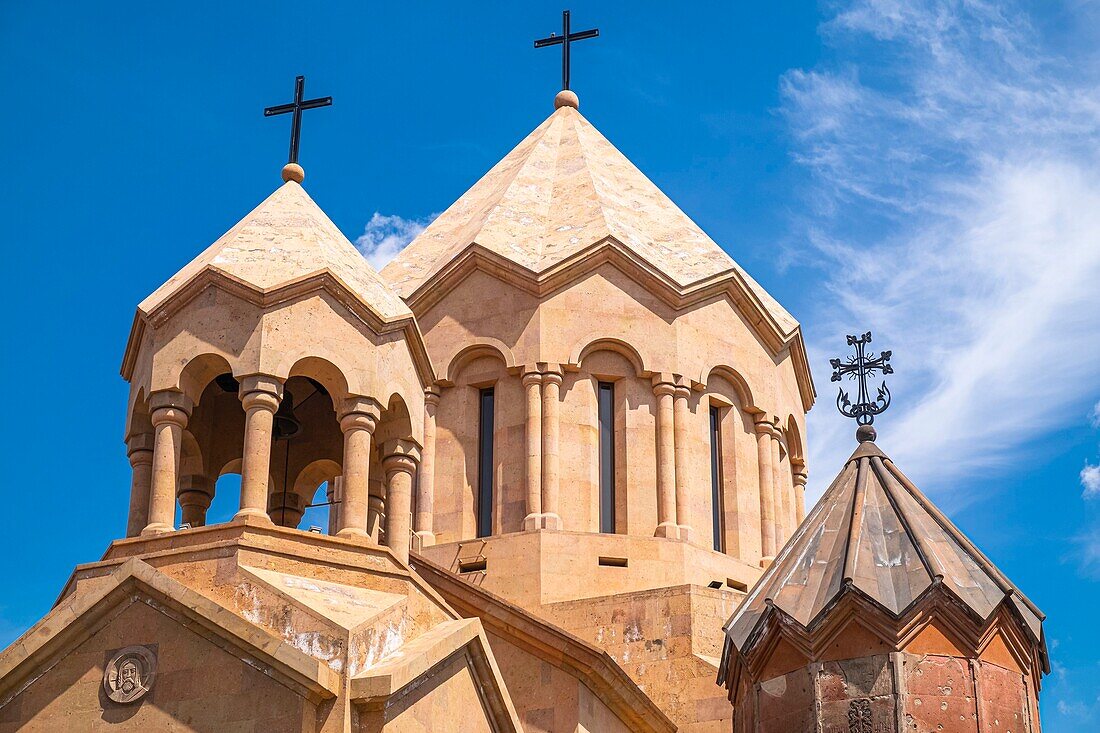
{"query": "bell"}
[(285, 424)]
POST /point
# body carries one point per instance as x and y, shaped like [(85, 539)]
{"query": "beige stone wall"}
[(667, 640), (199, 687), (447, 701), (226, 330), (606, 327), (548, 699)]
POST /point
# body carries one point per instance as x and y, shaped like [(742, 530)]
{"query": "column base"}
[(550, 521), (153, 530), (422, 539), (531, 522), (352, 532), (766, 562), (668, 530), (256, 515), (686, 532)]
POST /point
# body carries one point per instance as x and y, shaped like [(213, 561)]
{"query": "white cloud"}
[(386, 235), (1090, 480), (956, 202), (1094, 418)]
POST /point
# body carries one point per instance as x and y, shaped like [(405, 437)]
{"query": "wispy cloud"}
[(1090, 474), (956, 202), (386, 235)]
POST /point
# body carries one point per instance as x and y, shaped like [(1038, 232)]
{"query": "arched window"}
[(717, 508)]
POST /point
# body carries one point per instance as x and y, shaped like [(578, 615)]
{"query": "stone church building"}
[(561, 437)]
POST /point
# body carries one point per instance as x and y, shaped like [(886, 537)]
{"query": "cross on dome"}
[(292, 169), (859, 367), (564, 40)]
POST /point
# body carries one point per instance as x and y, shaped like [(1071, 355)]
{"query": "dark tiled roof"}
[(875, 533)]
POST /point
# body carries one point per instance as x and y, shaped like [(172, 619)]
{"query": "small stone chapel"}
[(562, 441)]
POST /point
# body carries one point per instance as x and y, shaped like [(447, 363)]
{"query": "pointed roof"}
[(875, 533), (559, 193), (287, 239)]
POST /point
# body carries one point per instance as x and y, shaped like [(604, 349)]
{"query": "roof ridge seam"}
[(948, 527), (602, 208), (855, 524), (934, 571)]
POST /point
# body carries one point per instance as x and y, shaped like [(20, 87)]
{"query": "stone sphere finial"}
[(567, 98), (293, 172), (866, 434)]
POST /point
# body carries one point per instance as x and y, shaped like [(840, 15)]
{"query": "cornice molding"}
[(300, 288), (730, 284)]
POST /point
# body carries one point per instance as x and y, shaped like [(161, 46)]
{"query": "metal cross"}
[(565, 39), (296, 107), (859, 367)]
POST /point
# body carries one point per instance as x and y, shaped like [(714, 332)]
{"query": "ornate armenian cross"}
[(859, 367), (565, 39), (296, 108)]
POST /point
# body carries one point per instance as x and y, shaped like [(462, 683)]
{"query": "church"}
[(561, 438)]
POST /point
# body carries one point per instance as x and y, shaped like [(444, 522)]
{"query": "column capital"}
[(170, 405), (661, 389), (763, 424), (553, 377), (399, 463), (531, 377), (261, 383), (360, 413), (261, 390), (431, 396), (798, 472), (196, 482), (139, 447), (401, 448), (682, 392)]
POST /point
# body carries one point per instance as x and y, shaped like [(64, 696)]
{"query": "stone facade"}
[(561, 436), (879, 615)]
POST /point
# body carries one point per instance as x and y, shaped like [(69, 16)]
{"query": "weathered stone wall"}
[(198, 687), (930, 693)]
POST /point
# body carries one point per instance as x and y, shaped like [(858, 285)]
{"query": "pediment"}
[(80, 615)]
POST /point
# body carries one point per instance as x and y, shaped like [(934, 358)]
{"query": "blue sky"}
[(927, 170)]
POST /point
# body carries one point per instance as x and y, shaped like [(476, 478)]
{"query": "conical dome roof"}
[(875, 533), (561, 192), (284, 240)]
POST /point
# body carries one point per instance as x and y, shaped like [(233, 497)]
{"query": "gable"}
[(198, 683)]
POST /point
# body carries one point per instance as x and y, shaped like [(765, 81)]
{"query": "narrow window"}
[(607, 457), (485, 465), (716, 477)]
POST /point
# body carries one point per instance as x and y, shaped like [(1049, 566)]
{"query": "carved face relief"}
[(129, 674)]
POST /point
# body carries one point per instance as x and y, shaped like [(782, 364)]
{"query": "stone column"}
[(139, 449), (195, 494), (358, 418), (767, 488), (666, 461), (801, 476), (425, 484), (532, 389), (376, 510), (681, 431), (399, 465), (169, 412), (260, 397), (782, 498), (333, 495), (551, 384)]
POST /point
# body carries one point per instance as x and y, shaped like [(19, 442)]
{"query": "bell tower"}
[(280, 355)]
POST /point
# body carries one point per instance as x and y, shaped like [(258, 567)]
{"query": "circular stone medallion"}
[(129, 674)]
